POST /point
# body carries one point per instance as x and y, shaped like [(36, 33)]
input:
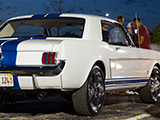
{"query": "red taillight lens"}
[(44, 58), (48, 58), (53, 57)]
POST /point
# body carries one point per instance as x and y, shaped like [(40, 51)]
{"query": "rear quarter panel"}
[(80, 57)]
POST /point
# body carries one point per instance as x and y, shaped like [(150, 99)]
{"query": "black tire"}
[(89, 99), (150, 92)]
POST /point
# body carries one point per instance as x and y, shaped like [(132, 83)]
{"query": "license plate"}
[(6, 80)]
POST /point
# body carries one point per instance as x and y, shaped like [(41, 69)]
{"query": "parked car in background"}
[(79, 56)]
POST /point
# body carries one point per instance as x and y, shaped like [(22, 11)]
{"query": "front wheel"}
[(151, 92), (89, 99)]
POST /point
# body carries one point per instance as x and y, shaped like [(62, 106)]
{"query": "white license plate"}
[(6, 80)]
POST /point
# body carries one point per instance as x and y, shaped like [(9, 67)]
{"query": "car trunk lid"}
[(10, 48)]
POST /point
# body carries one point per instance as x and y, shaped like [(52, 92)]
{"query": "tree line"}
[(155, 34)]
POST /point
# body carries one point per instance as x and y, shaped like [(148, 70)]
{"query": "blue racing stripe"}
[(10, 45), (119, 81), (24, 38), (39, 37), (38, 15), (1, 41), (131, 81), (45, 15), (9, 59), (16, 83), (9, 51), (110, 82), (53, 15)]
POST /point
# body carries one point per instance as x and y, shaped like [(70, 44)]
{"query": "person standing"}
[(120, 19), (130, 29), (143, 34), (115, 35), (105, 33)]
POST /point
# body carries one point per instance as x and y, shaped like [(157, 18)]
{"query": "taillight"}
[(48, 58)]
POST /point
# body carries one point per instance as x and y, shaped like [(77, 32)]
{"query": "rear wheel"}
[(89, 99), (151, 92)]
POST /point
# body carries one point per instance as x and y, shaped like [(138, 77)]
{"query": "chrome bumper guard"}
[(38, 71)]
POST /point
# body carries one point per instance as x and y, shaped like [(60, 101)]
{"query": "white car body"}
[(124, 66)]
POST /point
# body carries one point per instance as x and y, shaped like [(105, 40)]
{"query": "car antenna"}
[(137, 31)]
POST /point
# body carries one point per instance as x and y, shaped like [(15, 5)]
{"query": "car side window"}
[(116, 36), (113, 34)]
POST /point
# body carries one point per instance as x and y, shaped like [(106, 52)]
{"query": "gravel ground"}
[(117, 107)]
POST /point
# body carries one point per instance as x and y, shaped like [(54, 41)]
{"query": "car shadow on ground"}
[(154, 110), (48, 105), (56, 104), (121, 98), (134, 104)]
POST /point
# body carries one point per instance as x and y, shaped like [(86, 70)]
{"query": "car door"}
[(127, 63), (127, 67)]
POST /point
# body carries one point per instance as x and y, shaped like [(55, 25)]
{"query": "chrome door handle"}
[(117, 48)]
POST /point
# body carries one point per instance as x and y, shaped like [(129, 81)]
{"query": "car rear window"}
[(45, 27)]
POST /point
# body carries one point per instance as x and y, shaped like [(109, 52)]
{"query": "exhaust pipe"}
[(41, 95)]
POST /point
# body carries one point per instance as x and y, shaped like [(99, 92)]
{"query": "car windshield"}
[(44, 27)]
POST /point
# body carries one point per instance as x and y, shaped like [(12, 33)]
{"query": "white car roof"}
[(61, 15), (92, 26)]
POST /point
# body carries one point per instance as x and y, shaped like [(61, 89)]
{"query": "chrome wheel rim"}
[(155, 84), (96, 90)]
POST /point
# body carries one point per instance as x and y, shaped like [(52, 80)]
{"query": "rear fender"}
[(79, 63)]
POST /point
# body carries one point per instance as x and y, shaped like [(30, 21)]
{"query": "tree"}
[(155, 35), (56, 6)]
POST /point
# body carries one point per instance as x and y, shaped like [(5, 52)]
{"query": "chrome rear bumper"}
[(29, 71)]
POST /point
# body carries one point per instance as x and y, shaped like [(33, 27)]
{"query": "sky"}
[(147, 10)]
